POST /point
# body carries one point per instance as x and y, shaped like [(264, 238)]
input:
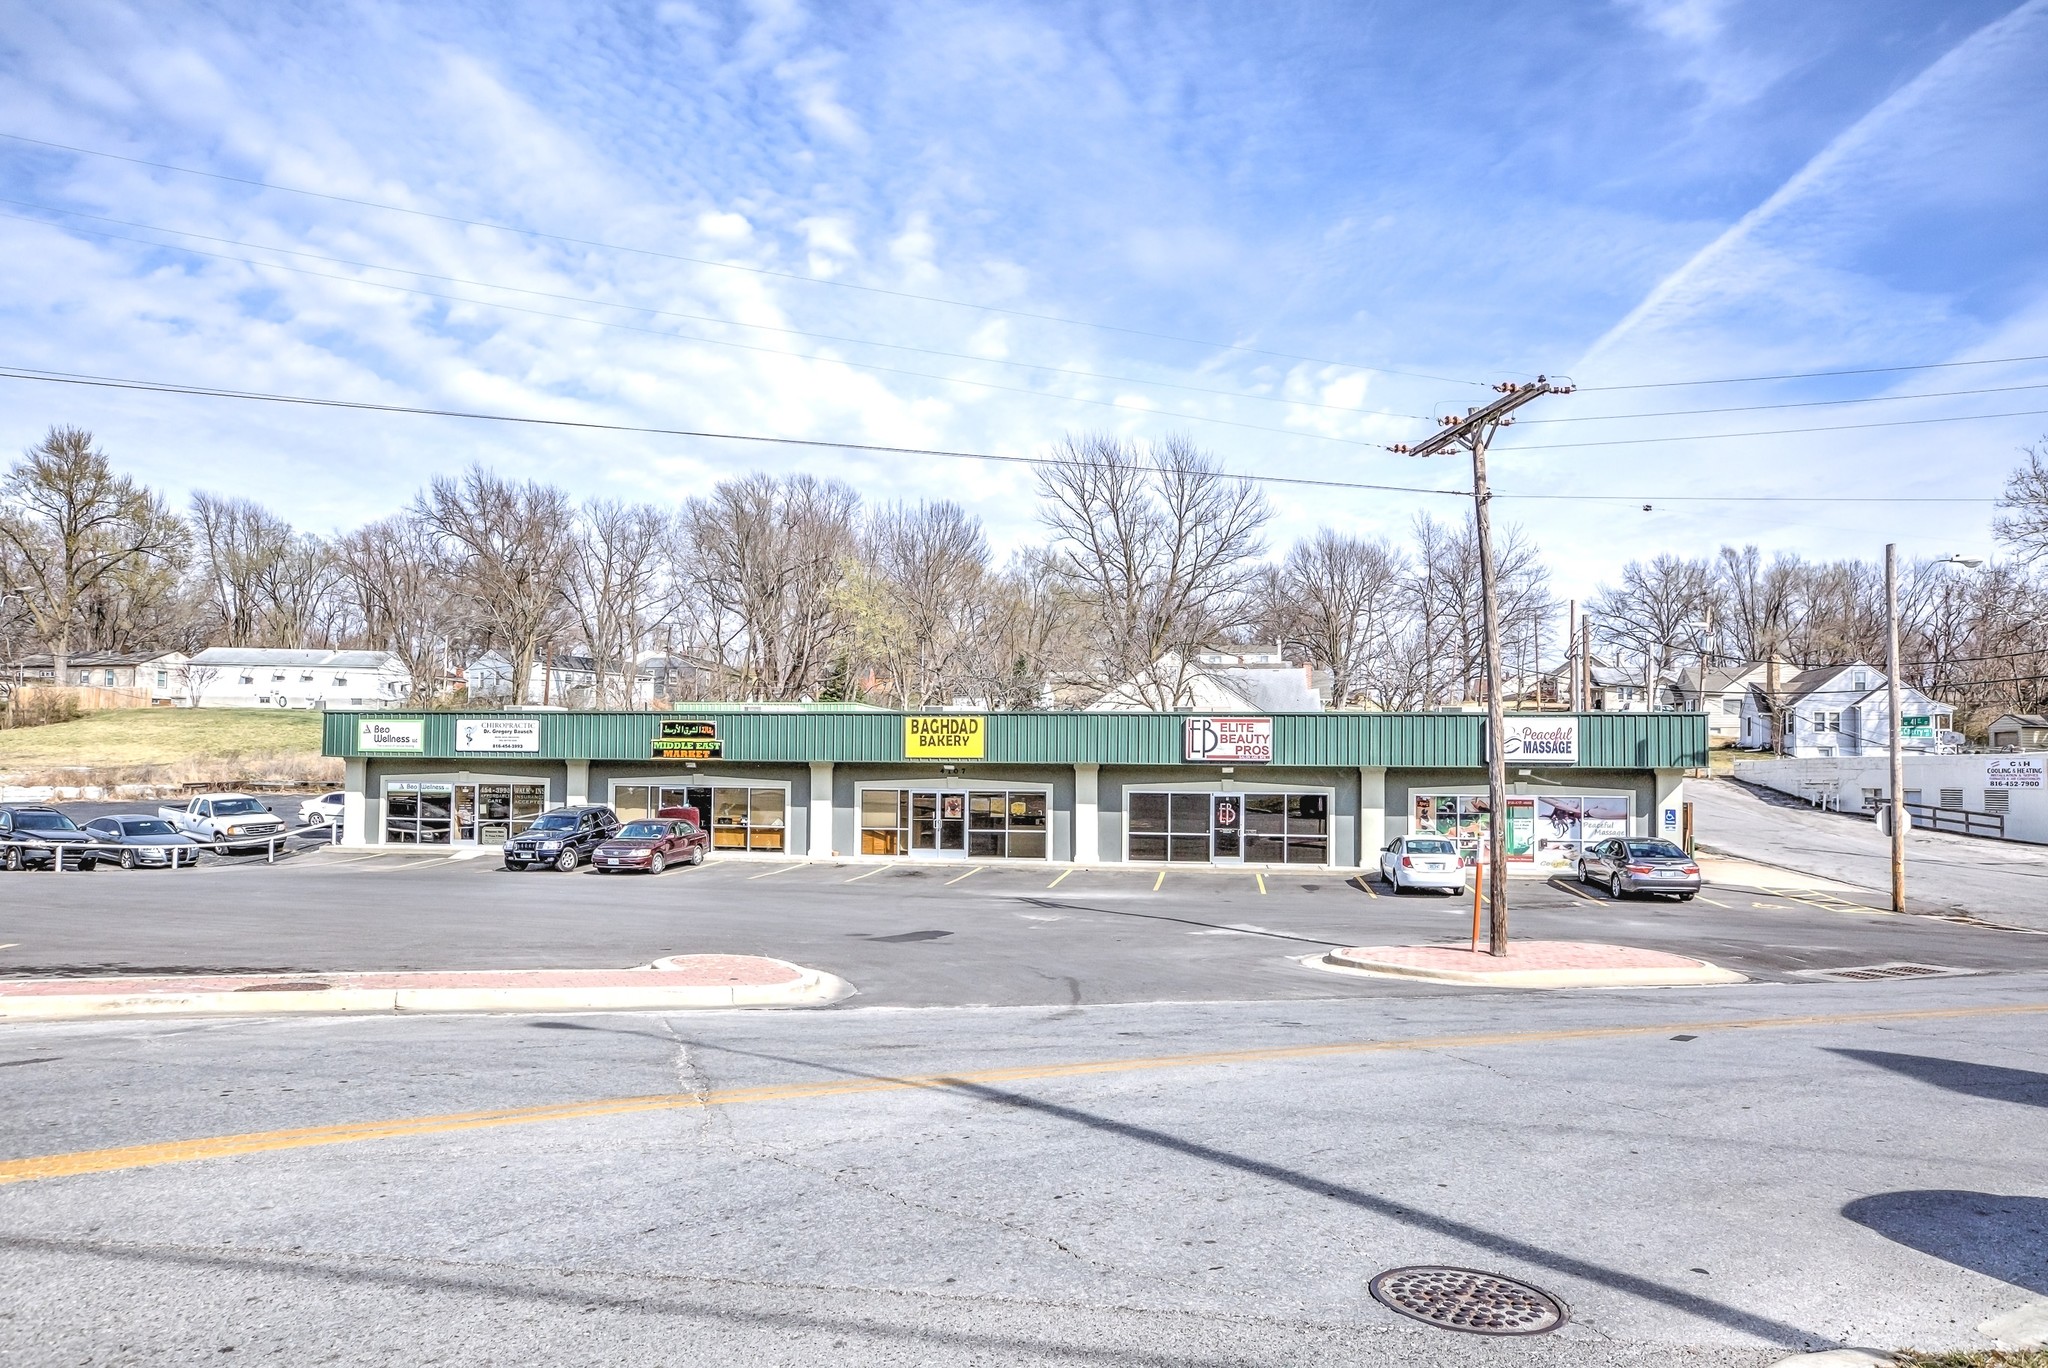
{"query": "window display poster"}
[(1604, 819), (1463, 818), (1558, 832), (1521, 830)]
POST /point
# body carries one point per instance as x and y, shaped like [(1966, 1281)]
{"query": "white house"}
[(1227, 679), (570, 681), (162, 673), (1727, 686), (261, 677), (1837, 710)]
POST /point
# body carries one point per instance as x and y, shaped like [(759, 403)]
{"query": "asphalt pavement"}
[(1944, 872)]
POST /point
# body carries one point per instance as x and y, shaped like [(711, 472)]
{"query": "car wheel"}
[(127, 859), (697, 857), (14, 859), (1685, 897), (86, 864), (566, 861), (656, 863), (1614, 887), (514, 867), (1582, 873)]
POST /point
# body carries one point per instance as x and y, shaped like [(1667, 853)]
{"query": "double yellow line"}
[(313, 1137)]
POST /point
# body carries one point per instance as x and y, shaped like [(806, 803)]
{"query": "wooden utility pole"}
[(1474, 432), (1894, 700), (1586, 664), (1571, 655)]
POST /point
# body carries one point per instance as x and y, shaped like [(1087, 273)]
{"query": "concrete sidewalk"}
[(680, 982), (1533, 964)]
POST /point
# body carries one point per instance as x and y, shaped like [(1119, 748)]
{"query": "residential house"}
[(1226, 679), (1722, 698), (558, 677), (162, 673), (2019, 731), (1835, 710), (263, 677)]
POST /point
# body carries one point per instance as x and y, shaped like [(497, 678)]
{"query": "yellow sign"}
[(951, 737)]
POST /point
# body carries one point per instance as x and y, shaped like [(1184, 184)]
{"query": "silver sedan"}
[(1640, 866)]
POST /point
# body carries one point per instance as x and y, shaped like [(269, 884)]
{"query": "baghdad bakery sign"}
[(1540, 740)]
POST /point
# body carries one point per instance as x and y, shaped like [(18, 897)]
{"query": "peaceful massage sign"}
[(1540, 740), (951, 736)]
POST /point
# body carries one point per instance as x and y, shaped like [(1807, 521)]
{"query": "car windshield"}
[(236, 807), (43, 821), (1655, 850), (643, 831), (1429, 847), (555, 821), (148, 826)]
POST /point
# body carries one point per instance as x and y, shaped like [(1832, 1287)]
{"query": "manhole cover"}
[(1466, 1299), (307, 986)]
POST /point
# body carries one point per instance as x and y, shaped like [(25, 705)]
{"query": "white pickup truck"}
[(225, 821)]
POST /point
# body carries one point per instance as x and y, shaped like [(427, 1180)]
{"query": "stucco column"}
[(579, 783), (821, 810), (1372, 813), (355, 778), (1671, 799), (1087, 814)]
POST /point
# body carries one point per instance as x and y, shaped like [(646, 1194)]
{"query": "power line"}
[(1782, 432), (659, 313), (10, 372), (157, 387), (708, 341), (726, 265), (1762, 408), (1811, 375)]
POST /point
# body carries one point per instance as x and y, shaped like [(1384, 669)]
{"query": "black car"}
[(563, 837), (30, 836)]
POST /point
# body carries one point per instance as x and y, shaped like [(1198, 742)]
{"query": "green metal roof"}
[(1394, 740)]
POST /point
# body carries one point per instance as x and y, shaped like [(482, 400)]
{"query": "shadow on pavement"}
[(2001, 1237), (1992, 1081)]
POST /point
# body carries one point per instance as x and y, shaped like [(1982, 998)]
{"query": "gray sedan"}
[(144, 841), (1625, 866)]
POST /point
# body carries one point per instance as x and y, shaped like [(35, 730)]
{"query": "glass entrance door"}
[(1226, 828), (938, 823)]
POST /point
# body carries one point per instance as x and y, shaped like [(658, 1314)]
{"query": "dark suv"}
[(562, 837), (29, 836)]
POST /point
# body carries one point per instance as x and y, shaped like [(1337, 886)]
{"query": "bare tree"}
[(510, 545), (765, 555), (2023, 525), (72, 525), (394, 573), (1445, 582), (1343, 603), (917, 600), (1158, 550), (1659, 613), (620, 565)]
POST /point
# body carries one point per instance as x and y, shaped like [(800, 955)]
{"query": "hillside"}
[(169, 745)]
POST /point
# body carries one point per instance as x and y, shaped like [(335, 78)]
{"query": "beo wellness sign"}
[(406, 736), (953, 736), (1540, 740)]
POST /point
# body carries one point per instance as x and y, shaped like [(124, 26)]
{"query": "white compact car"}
[(1422, 862), (322, 811)]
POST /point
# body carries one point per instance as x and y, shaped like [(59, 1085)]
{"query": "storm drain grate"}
[(1866, 973), (1466, 1299)]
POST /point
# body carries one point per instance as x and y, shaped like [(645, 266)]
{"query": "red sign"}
[(1230, 740)]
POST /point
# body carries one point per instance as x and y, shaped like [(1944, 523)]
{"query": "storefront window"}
[(423, 813), (984, 824), (1195, 828), (1548, 830)]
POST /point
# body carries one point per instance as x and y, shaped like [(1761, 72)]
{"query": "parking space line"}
[(769, 874), (968, 875), (1062, 878), (869, 875), (1365, 886), (1262, 882), (1711, 903), (1159, 882), (1575, 891)]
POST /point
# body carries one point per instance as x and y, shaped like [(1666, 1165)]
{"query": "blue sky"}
[(1311, 196)]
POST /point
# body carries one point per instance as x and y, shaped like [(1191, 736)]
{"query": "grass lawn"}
[(163, 736), (1976, 1358)]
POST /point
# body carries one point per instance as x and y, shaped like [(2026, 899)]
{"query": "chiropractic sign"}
[(498, 735), (1540, 740)]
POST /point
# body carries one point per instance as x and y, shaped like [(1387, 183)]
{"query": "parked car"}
[(563, 837), (651, 845), (225, 821), (1632, 866), (322, 811), (31, 835), (1423, 862), (143, 840)]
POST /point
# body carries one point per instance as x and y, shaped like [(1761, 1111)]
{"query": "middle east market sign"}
[(1540, 740), (679, 738), (1228, 740)]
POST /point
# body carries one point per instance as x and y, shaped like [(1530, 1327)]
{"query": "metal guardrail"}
[(1958, 821), (181, 856)]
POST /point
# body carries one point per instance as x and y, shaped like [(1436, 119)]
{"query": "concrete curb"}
[(1704, 975), (810, 988)]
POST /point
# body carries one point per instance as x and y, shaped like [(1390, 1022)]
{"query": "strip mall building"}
[(1312, 789)]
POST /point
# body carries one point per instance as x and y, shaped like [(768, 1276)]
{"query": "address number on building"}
[(1229, 739)]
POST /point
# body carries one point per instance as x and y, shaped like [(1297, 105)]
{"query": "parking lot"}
[(924, 934)]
